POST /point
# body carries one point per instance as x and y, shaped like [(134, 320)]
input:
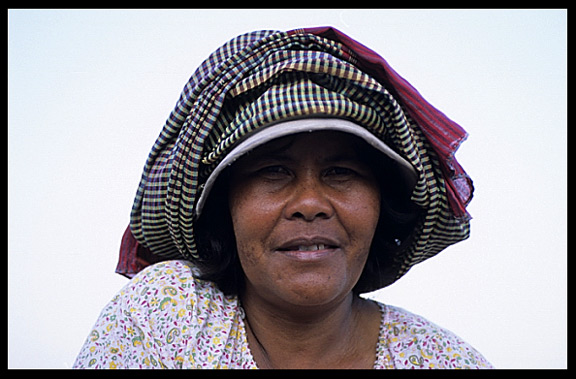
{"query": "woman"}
[(297, 171)]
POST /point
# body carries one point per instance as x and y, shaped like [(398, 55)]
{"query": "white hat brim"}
[(286, 128)]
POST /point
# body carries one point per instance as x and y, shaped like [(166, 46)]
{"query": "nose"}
[(308, 201)]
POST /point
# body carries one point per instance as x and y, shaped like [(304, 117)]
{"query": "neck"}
[(341, 334)]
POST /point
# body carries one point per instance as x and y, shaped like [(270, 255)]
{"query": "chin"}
[(311, 293)]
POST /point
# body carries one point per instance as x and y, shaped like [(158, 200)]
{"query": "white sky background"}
[(89, 92)]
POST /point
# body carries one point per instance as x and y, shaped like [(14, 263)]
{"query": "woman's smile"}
[(309, 249)]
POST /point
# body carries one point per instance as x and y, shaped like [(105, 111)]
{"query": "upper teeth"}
[(319, 246)]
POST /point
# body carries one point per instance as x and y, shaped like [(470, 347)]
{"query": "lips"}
[(308, 244)]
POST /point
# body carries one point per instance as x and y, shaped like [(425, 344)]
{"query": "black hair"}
[(216, 243), (218, 256)]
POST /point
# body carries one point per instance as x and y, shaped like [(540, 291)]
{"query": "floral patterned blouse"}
[(165, 317)]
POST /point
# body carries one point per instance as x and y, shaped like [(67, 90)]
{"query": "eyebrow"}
[(344, 157)]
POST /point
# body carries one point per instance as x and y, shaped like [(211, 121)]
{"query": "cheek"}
[(252, 224), (361, 221), (361, 213), (242, 220), (251, 220)]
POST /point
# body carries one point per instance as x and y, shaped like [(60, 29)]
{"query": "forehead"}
[(321, 144)]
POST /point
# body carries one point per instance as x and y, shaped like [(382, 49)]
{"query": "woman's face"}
[(304, 210)]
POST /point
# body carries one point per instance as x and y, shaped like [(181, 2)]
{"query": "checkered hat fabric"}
[(265, 77)]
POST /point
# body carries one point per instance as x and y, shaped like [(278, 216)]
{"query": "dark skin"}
[(304, 210)]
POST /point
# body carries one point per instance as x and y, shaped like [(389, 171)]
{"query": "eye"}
[(274, 172), (339, 173)]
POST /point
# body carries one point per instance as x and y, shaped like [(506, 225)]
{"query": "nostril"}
[(309, 216), (297, 215)]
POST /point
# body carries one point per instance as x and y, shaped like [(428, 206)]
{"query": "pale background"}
[(89, 90)]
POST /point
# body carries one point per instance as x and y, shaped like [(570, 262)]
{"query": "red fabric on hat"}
[(133, 256)]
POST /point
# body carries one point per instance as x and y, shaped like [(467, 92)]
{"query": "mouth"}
[(312, 247), (307, 249)]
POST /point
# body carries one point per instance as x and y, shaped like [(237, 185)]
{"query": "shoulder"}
[(177, 283), (177, 279), (171, 290), (415, 342), (149, 321), (159, 284), (174, 271)]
